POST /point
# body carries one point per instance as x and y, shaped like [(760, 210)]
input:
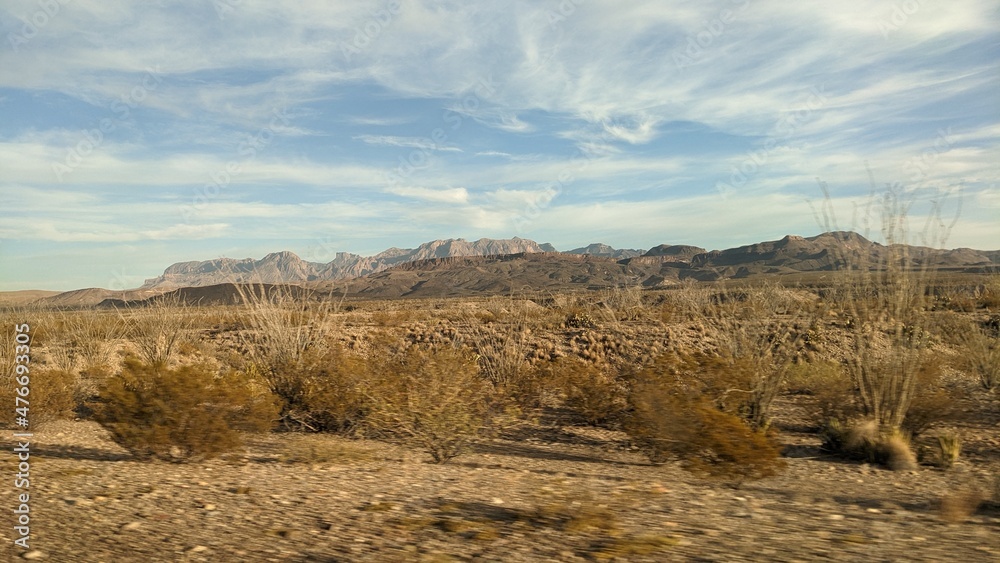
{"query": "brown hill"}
[(26, 297)]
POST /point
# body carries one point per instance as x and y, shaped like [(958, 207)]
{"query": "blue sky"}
[(137, 134)]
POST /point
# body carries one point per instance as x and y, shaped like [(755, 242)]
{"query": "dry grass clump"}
[(865, 440), (946, 451), (435, 399), (623, 303), (187, 413), (670, 419)]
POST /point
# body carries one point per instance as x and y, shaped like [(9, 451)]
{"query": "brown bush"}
[(833, 393), (589, 389), (435, 399), (191, 412), (932, 402), (981, 355), (670, 422), (50, 393), (319, 390)]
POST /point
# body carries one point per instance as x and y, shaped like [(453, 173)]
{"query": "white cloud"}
[(406, 142), (446, 195)]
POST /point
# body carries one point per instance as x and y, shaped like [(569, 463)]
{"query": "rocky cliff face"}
[(286, 267), (603, 250)]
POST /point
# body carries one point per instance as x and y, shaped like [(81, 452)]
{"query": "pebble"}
[(131, 526), (33, 555), (836, 517)]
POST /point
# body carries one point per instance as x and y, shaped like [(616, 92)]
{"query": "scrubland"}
[(737, 421)]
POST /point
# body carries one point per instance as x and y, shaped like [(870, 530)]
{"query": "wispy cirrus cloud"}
[(633, 117)]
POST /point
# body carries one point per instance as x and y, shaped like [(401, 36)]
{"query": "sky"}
[(138, 134)]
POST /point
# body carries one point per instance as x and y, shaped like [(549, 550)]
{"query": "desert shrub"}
[(932, 401), (883, 292), (757, 347), (580, 319), (980, 352), (502, 345), (52, 395), (589, 389), (734, 384), (191, 412), (622, 303), (864, 440), (320, 390), (832, 392), (287, 344), (156, 327), (88, 338), (435, 399), (668, 421)]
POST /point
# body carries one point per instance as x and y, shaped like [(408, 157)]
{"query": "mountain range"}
[(457, 267), (670, 262)]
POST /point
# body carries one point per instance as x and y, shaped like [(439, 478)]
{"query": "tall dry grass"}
[(501, 345), (156, 327)]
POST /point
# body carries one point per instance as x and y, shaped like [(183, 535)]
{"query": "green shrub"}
[(180, 414), (435, 399)]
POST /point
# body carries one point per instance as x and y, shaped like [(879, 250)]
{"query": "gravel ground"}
[(556, 493)]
